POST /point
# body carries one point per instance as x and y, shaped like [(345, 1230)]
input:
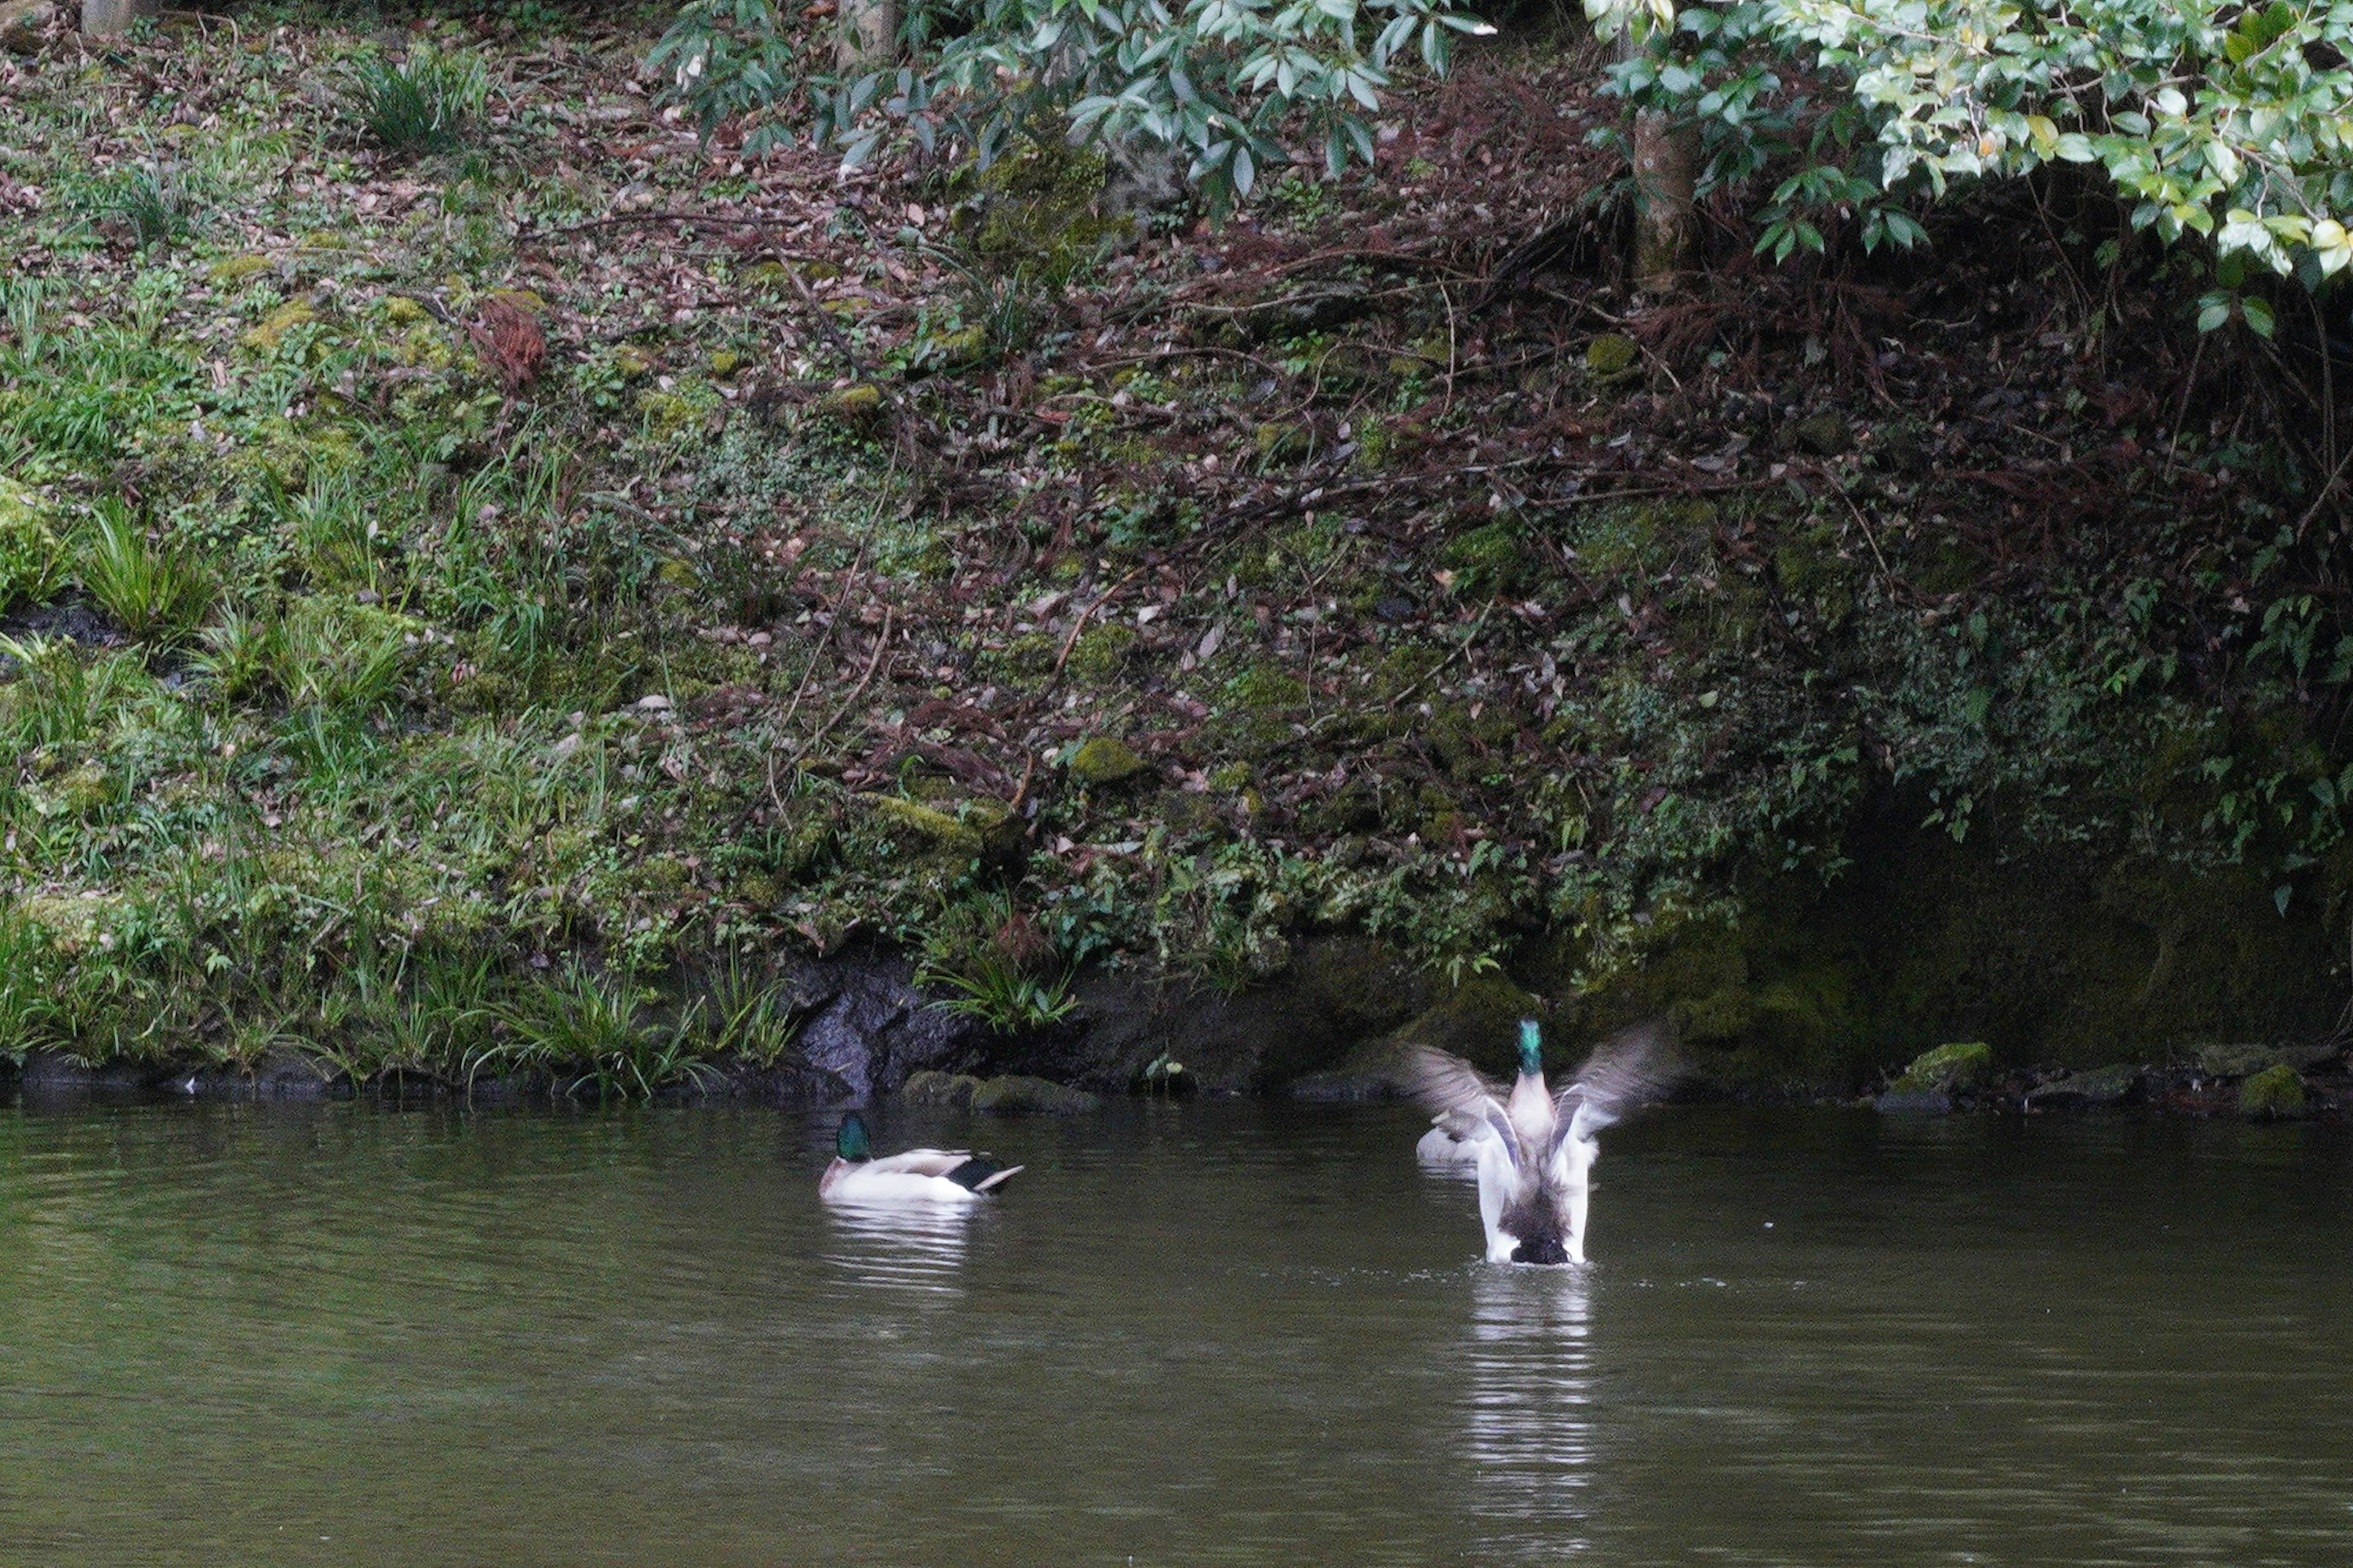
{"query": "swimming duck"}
[(1535, 1148), (918, 1175)]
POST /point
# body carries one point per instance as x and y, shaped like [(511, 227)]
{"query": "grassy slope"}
[(1427, 585)]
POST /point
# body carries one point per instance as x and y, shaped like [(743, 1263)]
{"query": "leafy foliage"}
[(1216, 80), (2231, 123)]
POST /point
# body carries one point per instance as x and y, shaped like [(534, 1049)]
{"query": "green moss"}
[(1949, 1069), (2275, 1091), (1611, 356), (1478, 1021), (271, 331), (1263, 687), (1020, 1095), (1039, 211), (1489, 560), (857, 408), (1097, 655), (1284, 441), (940, 1090), (1105, 759), (235, 270), (927, 824)]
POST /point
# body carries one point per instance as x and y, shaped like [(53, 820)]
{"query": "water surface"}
[(1190, 1334)]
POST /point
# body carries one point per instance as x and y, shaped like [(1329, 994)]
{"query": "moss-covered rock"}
[(1479, 1020), (933, 827), (1286, 441), (1099, 653), (2277, 1091), (1042, 210), (1020, 1095), (856, 407), (1611, 356), (940, 1090), (2111, 1085), (1948, 1069), (1825, 434), (1105, 759)]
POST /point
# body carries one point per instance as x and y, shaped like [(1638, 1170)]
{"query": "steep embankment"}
[(482, 605)]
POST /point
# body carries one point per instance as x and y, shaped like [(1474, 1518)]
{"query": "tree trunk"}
[(870, 35), (1666, 168), (106, 18)]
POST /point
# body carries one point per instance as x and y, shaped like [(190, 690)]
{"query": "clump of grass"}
[(154, 591), (997, 992), (51, 698), (341, 658), (27, 1005), (153, 202), (422, 103), (1004, 970), (239, 655), (29, 554), (745, 1017), (596, 1027)]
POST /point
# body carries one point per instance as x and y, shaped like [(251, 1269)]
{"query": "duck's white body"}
[(915, 1176), (1534, 1149)]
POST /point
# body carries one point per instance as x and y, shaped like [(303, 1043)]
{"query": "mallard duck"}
[(1535, 1150), (918, 1175)]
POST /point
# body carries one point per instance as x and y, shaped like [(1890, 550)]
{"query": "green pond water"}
[(1187, 1334)]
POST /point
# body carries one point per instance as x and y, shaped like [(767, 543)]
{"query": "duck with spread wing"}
[(1536, 1149)]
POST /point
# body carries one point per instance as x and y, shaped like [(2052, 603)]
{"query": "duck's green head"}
[(852, 1143), (1531, 1047)]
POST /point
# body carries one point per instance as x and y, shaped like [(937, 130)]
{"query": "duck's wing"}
[(1632, 1065), (921, 1161), (1455, 1092)]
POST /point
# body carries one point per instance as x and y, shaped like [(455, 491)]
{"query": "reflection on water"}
[(916, 1247), (1192, 1335), (1527, 1417)]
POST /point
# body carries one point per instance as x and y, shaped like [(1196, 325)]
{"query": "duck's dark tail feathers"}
[(980, 1173)]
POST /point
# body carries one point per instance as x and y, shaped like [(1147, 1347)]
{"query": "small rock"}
[(853, 405), (653, 702), (1016, 1094), (1825, 434), (2275, 1091), (1611, 356), (1903, 1101), (945, 1090), (1105, 759), (2101, 1086)]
